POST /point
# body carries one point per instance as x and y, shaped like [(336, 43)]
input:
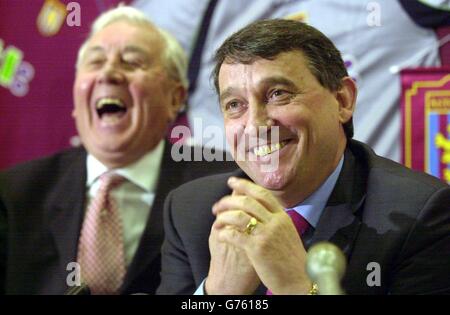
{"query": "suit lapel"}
[(339, 222), (150, 244), (65, 208)]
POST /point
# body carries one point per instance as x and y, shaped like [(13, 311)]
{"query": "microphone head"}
[(325, 258), (82, 289)]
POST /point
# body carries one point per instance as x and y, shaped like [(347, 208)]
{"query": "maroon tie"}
[(299, 221), (300, 224)]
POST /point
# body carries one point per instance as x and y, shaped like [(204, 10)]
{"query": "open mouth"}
[(267, 149), (110, 110)]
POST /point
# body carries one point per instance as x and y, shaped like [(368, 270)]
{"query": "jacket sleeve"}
[(424, 261), (176, 273)]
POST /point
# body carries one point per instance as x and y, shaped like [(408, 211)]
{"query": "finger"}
[(233, 237), (235, 218), (262, 195), (243, 203)]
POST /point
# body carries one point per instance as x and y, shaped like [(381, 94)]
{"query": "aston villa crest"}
[(51, 17), (426, 121)]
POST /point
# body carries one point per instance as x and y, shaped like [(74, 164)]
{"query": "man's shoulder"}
[(187, 162), (211, 183), (381, 166), (45, 167), (390, 181), (204, 190), (190, 204)]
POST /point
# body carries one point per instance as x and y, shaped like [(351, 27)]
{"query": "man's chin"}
[(110, 153), (112, 149), (271, 180)]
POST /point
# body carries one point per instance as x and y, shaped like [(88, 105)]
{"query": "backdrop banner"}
[(425, 107), (39, 41)]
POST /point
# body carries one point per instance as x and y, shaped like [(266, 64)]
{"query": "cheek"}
[(137, 90), (145, 86), (82, 89), (320, 125), (326, 118), (293, 119), (233, 132)]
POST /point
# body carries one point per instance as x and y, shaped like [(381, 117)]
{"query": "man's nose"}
[(259, 121), (111, 74)]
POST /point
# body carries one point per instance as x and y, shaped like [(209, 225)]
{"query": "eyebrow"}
[(227, 93), (134, 49), (274, 80), (127, 49), (94, 49)]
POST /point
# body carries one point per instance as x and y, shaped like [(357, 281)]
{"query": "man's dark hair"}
[(268, 38)]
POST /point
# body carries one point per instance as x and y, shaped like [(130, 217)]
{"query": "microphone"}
[(325, 265), (81, 289)]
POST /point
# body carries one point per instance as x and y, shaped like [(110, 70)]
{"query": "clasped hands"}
[(245, 253)]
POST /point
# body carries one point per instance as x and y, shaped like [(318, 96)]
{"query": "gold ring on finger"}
[(251, 226)]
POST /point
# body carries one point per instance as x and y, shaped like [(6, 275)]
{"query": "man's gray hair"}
[(175, 56)]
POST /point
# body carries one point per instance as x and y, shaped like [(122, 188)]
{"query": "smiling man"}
[(254, 226), (93, 215), (125, 94)]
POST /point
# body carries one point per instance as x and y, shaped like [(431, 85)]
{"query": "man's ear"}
[(346, 96), (178, 99)]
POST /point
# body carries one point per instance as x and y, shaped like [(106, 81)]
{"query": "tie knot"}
[(299, 221), (109, 181)]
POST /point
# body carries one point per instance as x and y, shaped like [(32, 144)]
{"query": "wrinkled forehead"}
[(291, 65), (292, 62), (125, 36)]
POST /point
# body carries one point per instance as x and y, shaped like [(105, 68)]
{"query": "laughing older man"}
[(93, 215)]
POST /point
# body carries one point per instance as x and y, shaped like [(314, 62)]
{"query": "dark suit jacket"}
[(42, 206), (379, 211)]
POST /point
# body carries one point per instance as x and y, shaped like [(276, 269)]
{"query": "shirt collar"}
[(137, 172), (312, 207)]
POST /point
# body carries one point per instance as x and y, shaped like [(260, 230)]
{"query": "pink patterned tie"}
[(300, 224), (100, 248)]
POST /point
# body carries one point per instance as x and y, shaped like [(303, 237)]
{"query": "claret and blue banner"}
[(426, 120)]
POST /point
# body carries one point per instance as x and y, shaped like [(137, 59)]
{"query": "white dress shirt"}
[(134, 197)]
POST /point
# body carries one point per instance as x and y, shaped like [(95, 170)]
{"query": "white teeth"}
[(110, 120), (268, 149), (102, 102)]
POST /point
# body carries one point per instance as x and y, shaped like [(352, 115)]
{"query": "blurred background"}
[(398, 51)]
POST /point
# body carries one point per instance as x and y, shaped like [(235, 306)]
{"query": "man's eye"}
[(95, 61), (277, 93), (233, 106), (133, 63)]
